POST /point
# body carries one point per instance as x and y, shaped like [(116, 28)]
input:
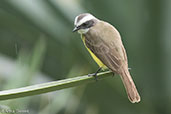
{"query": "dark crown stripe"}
[(80, 17)]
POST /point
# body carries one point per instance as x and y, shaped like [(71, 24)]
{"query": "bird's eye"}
[(84, 24), (87, 24)]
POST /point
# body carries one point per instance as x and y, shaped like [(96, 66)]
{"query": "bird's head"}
[(84, 22)]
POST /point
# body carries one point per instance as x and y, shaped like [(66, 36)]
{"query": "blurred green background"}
[(37, 45)]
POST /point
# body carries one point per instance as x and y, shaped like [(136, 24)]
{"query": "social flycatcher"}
[(104, 43)]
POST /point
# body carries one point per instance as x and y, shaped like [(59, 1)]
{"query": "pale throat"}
[(83, 31)]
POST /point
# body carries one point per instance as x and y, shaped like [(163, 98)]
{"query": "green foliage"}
[(50, 86)]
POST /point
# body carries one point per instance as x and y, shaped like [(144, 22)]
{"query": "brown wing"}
[(105, 42)]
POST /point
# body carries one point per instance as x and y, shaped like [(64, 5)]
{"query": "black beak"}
[(75, 29)]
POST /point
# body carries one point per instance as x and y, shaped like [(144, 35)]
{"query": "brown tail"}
[(130, 87)]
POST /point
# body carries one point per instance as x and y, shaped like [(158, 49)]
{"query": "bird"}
[(103, 42)]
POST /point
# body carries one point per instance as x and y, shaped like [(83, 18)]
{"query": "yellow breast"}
[(96, 59)]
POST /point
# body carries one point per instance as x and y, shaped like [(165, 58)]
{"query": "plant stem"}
[(50, 86)]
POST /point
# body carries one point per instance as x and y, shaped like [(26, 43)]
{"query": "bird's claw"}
[(94, 75)]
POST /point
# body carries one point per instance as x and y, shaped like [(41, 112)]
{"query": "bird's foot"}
[(113, 74), (95, 74)]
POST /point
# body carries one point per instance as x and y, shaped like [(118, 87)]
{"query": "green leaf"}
[(50, 86)]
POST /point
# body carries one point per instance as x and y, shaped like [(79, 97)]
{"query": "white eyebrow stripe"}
[(84, 19), (75, 22)]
